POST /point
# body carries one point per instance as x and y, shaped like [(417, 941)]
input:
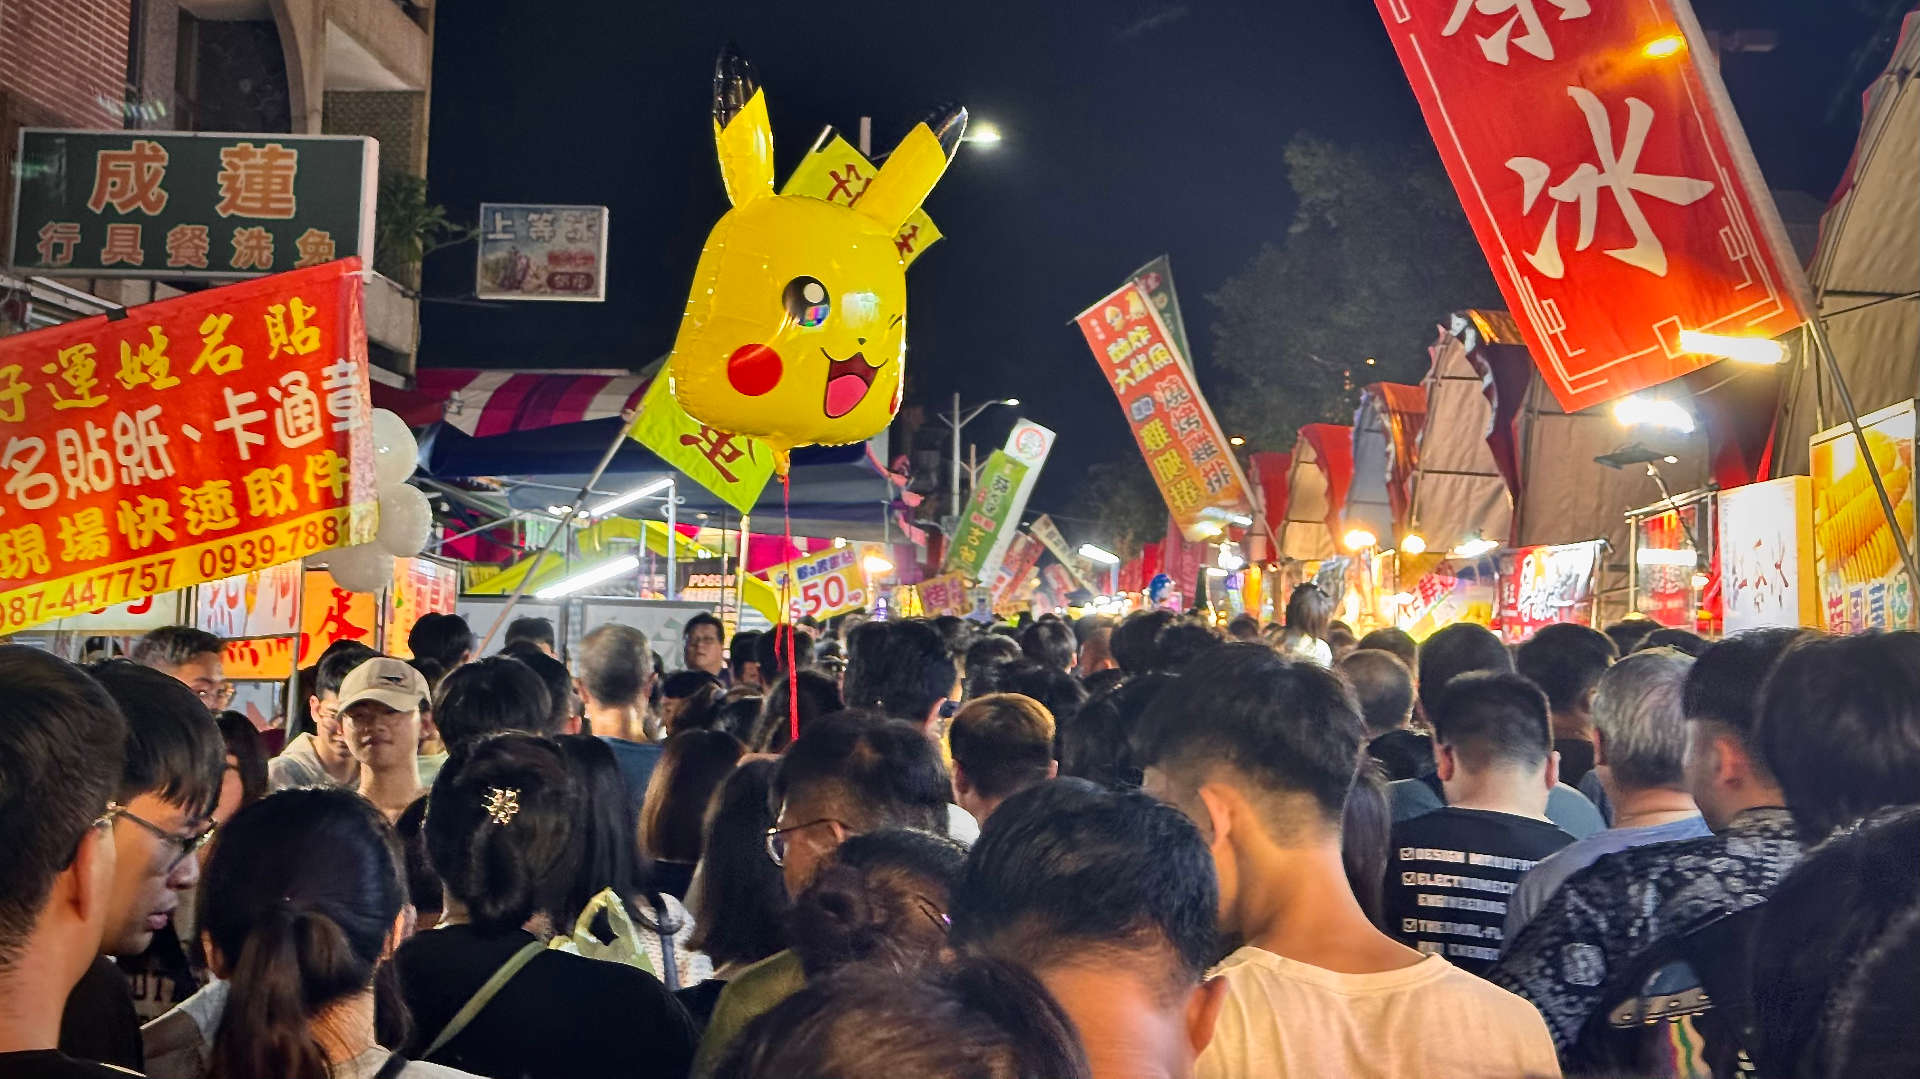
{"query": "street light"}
[(958, 421), (1106, 558), (1638, 411), (1759, 351), (876, 566), (986, 133)]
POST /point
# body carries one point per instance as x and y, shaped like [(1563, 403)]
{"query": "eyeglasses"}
[(105, 819), (777, 838), (216, 696), (185, 844)]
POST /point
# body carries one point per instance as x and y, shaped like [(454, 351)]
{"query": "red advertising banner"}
[(1181, 441), (183, 441), (1543, 585), (1619, 207)]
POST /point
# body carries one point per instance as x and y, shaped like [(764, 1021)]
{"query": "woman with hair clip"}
[(302, 903), (485, 991), (615, 909), (1309, 618)]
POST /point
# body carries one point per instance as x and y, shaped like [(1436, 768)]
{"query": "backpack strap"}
[(485, 994), (394, 1065), (670, 976)]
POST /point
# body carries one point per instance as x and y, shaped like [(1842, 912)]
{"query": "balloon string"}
[(793, 671)]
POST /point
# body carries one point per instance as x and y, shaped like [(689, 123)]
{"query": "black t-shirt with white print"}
[(1449, 874)]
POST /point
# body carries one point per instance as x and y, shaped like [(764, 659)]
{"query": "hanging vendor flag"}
[(1156, 278), (1621, 210), (183, 441), (945, 594), (1540, 586), (1182, 442), (981, 537), (835, 171), (823, 585), (1071, 563), (735, 468), (1023, 554)]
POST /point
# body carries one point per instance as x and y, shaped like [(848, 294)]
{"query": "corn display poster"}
[(183, 441), (1856, 558)]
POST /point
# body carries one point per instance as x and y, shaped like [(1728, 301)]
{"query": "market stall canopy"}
[(1866, 271), (486, 403), (837, 490), (1465, 468), (1317, 492), (1268, 472), (1386, 433)]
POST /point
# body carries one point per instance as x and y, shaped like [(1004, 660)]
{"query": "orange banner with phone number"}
[(183, 441)]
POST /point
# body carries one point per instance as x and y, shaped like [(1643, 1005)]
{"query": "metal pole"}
[(673, 539), (579, 499), (1866, 454), (866, 137), (740, 577), (956, 456)]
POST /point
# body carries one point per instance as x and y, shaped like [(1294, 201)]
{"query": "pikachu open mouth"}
[(848, 381)]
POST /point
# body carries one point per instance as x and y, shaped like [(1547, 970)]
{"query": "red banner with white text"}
[(183, 441), (1617, 204)]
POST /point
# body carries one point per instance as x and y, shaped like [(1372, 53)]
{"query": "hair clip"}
[(502, 803)]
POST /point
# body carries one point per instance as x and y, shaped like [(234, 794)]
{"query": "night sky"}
[(1132, 128)]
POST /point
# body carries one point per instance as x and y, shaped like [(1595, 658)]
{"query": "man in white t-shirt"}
[(1260, 753)]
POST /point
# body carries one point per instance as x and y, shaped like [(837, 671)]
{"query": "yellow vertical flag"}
[(733, 467), (833, 170)]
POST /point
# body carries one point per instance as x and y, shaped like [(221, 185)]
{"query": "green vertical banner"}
[(989, 513)]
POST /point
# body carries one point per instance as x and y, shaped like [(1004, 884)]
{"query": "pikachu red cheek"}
[(754, 370)]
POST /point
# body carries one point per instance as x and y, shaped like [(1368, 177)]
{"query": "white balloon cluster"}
[(406, 517)]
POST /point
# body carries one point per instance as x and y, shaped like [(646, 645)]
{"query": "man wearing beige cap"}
[(380, 703)]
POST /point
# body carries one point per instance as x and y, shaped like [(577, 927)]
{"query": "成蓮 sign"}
[(188, 440), (173, 204), (1620, 207)]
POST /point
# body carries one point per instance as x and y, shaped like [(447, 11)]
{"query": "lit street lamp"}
[(959, 420)]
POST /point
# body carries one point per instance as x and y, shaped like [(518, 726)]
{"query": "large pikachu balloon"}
[(795, 330)]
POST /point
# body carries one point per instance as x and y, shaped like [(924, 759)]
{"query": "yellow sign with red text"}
[(821, 585)]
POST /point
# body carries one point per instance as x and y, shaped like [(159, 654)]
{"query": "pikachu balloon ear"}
[(913, 168), (741, 131)]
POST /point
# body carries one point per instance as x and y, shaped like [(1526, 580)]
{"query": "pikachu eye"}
[(807, 302)]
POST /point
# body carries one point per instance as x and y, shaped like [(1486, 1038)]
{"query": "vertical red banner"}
[(1606, 178)]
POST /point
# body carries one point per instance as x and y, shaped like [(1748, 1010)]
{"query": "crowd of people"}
[(1112, 849)]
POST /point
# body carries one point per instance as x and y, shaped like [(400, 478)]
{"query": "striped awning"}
[(484, 403)]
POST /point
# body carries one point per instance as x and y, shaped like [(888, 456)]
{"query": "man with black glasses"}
[(61, 742), (174, 763), (193, 657)]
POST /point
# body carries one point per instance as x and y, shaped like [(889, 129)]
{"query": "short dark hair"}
[(739, 911), (1096, 743), (1244, 627), (1684, 641), (443, 637), (1004, 741), (901, 668), (174, 748), (1136, 640), (1395, 640), (1289, 727), (771, 650), (487, 696), (1724, 684), (336, 663), (1458, 649), (1060, 693), (819, 698), (692, 766), (955, 1020), (604, 833), (1566, 661), (1383, 686), (1868, 1027), (62, 749), (534, 631), (1050, 643), (1493, 719), (504, 873), (1185, 640), (1840, 727), (553, 675), (683, 684), (1627, 633), (704, 618), (744, 649), (985, 658), (1366, 834), (1068, 874), (615, 664), (874, 772), (172, 646), (870, 903)]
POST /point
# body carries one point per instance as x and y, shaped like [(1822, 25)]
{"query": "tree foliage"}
[(1378, 253), (1122, 498)]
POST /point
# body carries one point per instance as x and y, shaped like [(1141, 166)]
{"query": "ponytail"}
[(291, 960)]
